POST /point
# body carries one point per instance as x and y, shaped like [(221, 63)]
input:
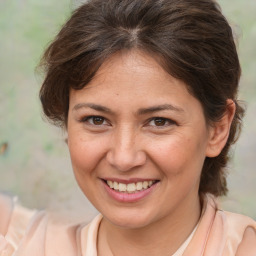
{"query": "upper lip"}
[(130, 180)]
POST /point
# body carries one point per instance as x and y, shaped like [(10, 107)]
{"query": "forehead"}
[(134, 71), (129, 81)]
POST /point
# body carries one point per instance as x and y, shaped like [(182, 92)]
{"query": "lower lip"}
[(129, 197)]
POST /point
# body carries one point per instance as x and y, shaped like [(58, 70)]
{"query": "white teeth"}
[(131, 187), (139, 186), (116, 185), (110, 183), (145, 184), (122, 187)]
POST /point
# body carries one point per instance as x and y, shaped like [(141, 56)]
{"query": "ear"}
[(219, 131)]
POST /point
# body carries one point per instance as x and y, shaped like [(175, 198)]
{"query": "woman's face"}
[(137, 129)]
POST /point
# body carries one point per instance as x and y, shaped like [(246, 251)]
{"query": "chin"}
[(129, 219)]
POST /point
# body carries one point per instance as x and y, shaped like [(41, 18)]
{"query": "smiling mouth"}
[(130, 187)]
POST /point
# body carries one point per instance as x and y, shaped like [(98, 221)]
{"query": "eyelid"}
[(86, 118), (169, 121)]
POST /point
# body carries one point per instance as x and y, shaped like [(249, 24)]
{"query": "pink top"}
[(28, 233)]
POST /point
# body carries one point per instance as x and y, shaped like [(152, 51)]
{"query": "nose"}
[(125, 153)]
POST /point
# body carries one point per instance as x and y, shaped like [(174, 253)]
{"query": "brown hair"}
[(192, 40)]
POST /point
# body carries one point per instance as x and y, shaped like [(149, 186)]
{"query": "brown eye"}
[(160, 121), (97, 120), (94, 120)]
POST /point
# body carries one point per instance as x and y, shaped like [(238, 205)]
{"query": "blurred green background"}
[(34, 160)]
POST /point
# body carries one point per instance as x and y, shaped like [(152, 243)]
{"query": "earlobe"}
[(219, 131)]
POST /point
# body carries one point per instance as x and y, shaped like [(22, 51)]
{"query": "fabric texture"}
[(25, 232)]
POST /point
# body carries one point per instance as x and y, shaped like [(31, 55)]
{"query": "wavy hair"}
[(192, 41)]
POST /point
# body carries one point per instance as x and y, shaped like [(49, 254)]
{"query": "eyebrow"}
[(92, 106), (142, 111), (157, 108)]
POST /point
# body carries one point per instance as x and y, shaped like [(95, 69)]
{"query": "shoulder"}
[(51, 234), (6, 206), (241, 234), (229, 233), (28, 232), (237, 222), (14, 220)]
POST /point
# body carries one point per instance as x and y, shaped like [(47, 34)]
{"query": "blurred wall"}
[(34, 161)]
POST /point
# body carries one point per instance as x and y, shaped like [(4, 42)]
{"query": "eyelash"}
[(166, 121), (93, 118)]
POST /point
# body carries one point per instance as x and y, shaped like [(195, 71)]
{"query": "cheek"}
[(179, 155), (85, 153)]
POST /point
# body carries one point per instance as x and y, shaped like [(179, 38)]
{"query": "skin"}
[(134, 138), (247, 246)]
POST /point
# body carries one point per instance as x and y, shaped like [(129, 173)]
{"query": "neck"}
[(162, 237)]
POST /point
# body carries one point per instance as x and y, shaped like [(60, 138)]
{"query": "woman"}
[(147, 92)]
